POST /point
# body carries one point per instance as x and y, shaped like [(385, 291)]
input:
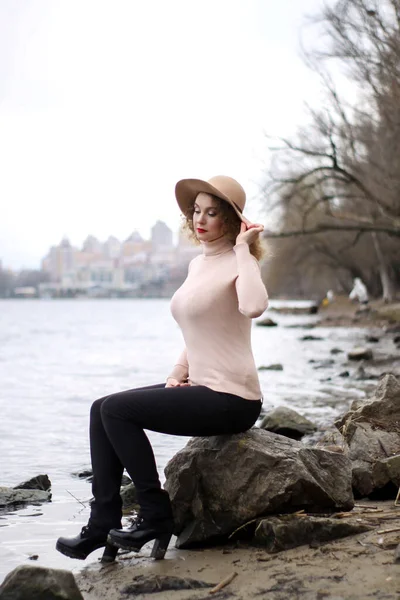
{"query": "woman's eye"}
[(197, 212)]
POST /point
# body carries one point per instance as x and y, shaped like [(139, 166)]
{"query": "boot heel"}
[(109, 554), (160, 546)]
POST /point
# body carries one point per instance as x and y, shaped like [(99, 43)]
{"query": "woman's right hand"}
[(172, 382), (249, 232)]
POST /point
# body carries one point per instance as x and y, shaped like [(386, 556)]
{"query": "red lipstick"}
[(201, 230)]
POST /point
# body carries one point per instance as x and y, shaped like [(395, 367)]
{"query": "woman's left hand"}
[(249, 232)]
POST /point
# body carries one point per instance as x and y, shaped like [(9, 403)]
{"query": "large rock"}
[(39, 583), (11, 498), (289, 531), (372, 432), (360, 353), (387, 469), (266, 323), (332, 440), (217, 484), (361, 375), (285, 421), (129, 497), (39, 482)]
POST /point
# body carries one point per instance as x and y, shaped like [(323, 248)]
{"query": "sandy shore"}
[(343, 313), (357, 567)]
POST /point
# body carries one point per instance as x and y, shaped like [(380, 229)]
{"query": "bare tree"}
[(342, 174)]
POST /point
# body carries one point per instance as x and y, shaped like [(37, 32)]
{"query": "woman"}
[(213, 388)]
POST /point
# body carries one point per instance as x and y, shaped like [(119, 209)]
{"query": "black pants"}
[(117, 440)]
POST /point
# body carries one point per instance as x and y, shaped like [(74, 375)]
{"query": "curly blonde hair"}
[(231, 226)]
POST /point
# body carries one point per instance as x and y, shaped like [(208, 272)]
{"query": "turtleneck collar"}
[(218, 246)]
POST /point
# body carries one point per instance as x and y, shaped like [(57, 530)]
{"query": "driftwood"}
[(388, 530), (223, 583)]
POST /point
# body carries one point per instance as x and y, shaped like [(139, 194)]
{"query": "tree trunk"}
[(386, 282)]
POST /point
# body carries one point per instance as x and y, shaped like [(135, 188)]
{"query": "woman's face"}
[(207, 218)]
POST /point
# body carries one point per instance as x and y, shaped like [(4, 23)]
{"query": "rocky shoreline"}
[(265, 515)]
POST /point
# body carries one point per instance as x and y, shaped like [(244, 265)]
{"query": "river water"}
[(57, 356)]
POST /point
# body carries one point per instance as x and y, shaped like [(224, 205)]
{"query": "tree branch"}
[(324, 228)]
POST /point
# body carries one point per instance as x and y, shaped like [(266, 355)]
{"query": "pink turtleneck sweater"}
[(214, 307)]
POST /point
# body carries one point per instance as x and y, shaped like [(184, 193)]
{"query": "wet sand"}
[(343, 313), (352, 568)]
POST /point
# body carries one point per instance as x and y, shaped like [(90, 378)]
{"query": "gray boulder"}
[(83, 474), (39, 583), (217, 484), (385, 470), (11, 498), (273, 367), (332, 440), (361, 375), (289, 531), (323, 363), (360, 353), (266, 323), (129, 497), (372, 432), (288, 422), (40, 482)]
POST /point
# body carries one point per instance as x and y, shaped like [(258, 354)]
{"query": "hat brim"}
[(186, 191)]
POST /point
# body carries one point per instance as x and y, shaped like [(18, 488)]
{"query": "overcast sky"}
[(105, 104)]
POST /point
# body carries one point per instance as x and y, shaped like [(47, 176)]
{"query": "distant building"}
[(102, 273), (161, 237), (134, 244), (112, 247), (92, 245), (60, 261)]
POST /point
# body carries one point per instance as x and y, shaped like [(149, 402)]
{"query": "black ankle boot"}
[(89, 539), (141, 532)]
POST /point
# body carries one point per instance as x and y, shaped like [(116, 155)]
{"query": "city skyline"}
[(115, 268), (90, 239), (177, 237)]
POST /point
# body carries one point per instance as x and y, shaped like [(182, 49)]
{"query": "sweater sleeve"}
[(250, 288), (180, 372)]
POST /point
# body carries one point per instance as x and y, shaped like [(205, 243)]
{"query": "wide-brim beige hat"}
[(221, 186)]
